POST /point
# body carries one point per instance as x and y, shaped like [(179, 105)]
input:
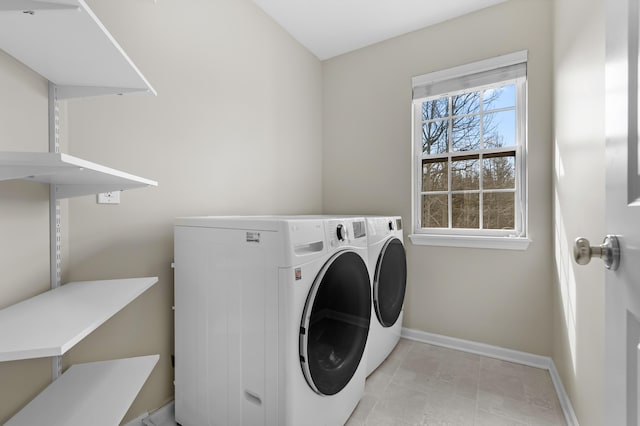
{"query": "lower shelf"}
[(51, 323), (96, 393)]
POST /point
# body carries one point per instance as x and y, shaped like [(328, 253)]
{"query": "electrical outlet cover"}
[(109, 197)]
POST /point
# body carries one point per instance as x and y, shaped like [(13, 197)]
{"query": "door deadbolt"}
[(608, 251)]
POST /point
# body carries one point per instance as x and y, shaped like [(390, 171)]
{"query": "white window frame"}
[(516, 239)]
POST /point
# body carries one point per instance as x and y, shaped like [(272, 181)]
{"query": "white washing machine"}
[(272, 316), (388, 269)]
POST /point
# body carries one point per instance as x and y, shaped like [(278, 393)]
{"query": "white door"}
[(622, 309)]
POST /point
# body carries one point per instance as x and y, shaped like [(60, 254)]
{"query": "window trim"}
[(468, 241), (517, 239)]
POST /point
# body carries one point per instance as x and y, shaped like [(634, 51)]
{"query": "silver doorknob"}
[(608, 251)]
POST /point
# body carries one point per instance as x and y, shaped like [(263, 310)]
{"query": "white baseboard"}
[(162, 416), (565, 403), (532, 360)]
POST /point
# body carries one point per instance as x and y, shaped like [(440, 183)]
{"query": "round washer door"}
[(390, 282), (335, 323)]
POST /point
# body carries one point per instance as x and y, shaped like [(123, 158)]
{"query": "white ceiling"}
[(332, 27)]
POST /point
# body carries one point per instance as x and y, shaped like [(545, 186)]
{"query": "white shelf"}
[(64, 41), (72, 176), (96, 393), (53, 322)]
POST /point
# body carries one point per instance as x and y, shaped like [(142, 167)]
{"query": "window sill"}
[(501, 243)]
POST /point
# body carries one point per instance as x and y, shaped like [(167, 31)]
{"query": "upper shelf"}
[(72, 176), (96, 393), (64, 41), (53, 322)]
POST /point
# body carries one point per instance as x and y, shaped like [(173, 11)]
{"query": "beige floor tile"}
[(401, 349), (377, 383), (546, 417), (513, 409), (362, 411), (399, 405), (465, 386), (391, 364), (520, 411), (385, 422), (425, 367), (436, 422), (462, 374), (540, 392), (502, 384), (460, 367), (449, 408), (484, 418), (421, 363), (410, 379)]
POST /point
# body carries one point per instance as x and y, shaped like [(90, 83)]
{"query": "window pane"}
[(499, 97), (499, 172), (465, 174), (465, 135), (434, 137), (435, 175), (500, 129), (498, 210), (438, 108), (467, 103), (465, 210), (435, 211)]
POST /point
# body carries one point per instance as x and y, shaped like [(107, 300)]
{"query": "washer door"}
[(335, 323), (390, 282)]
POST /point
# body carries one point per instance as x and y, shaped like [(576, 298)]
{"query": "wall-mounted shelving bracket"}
[(55, 215)]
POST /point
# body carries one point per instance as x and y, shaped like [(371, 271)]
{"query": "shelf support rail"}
[(55, 229)]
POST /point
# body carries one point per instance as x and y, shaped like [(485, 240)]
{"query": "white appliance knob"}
[(341, 232)]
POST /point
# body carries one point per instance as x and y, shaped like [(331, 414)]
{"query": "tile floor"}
[(421, 384), (427, 385)]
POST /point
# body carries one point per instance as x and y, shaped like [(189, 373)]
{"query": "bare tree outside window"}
[(468, 166)]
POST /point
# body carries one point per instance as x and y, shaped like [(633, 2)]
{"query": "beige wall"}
[(235, 129), (24, 222), (579, 194), (497, 297)]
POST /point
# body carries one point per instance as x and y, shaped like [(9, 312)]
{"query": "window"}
[(469, 168)]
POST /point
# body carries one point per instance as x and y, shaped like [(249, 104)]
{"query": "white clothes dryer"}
[(388, 269), (272, 316)]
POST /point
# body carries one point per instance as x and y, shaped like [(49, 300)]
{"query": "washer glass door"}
[(335, 323), (390, 282)]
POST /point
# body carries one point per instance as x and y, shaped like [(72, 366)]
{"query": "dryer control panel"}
[(343, 232)]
